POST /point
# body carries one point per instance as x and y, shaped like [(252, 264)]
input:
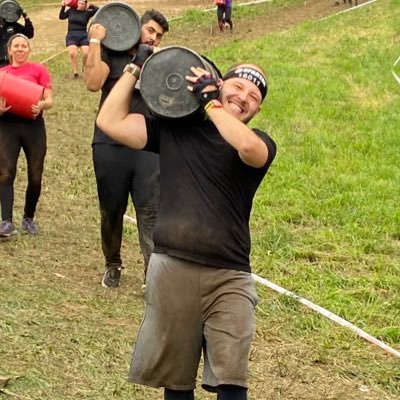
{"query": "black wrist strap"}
[(205, 97)]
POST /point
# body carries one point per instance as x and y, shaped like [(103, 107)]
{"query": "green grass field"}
[(325, 225)]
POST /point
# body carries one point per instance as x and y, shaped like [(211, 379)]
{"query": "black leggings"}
[(30, 135), (224, 15), (121, 171)]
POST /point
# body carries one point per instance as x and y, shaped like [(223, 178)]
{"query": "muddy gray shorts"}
[(190, 309)]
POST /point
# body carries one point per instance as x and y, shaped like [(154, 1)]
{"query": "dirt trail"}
[(50, 31)]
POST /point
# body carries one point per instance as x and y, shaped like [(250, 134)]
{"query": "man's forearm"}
[(29, 29), (114, 118), (95, 72), (252, 150)]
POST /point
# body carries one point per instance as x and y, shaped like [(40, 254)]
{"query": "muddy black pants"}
[(121, 171), (30, 136)]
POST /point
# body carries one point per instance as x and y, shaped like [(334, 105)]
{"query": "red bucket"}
[(20, 94), (71, 3)]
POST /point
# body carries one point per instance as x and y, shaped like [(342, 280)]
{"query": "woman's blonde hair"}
[(16, 35)]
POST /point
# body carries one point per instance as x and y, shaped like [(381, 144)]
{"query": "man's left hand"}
[(203, 86), (142, 54)]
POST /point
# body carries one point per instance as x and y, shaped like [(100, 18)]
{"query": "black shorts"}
[(77, 39)]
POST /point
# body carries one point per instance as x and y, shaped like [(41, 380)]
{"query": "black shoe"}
[(111, 276), (29, 226), (7, 229), (76, 75)]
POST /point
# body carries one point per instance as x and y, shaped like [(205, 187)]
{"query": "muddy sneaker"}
[(111, 276), (7, 229), (29, 226)]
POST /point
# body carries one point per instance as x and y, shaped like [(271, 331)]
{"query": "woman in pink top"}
[(18, 132)]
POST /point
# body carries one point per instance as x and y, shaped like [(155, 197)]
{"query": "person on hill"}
[(121, 171), (348, 1), (224, 14), (18, 133), (77, 37), (7, 29), (200, 295)]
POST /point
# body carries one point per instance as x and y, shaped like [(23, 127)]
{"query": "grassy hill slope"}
[(326, 225)]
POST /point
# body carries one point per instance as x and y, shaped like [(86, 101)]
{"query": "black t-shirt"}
[(77, 19), (116, 62), (206, 193)]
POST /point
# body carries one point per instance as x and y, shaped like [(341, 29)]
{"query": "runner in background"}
[(224, 14), (18, 133), (121, 171), (77, 37)]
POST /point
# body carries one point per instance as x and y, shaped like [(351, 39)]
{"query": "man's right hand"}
[(96, 70), (97, 31)]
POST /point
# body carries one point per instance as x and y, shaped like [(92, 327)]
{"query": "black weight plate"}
[(10, 10), (122, 24), (163, 85)]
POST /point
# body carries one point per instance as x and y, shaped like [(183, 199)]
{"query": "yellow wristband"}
[(133, 69), (211, 104)]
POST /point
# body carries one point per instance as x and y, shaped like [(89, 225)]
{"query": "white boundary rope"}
[(53, 56), (279, 289), (349, 9), (394, 73), (327, 314), (272, 285), (315, 307), (249, 3)]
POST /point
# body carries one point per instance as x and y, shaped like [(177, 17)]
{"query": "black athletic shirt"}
[(77, 19), (9, 29), (116, 62), (206, 193)]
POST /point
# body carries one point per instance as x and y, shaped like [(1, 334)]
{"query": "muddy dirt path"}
[(50, 31)]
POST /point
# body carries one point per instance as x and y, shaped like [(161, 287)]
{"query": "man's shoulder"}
[(261, 133), (265, 137), (112, 55), (14, 25)]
